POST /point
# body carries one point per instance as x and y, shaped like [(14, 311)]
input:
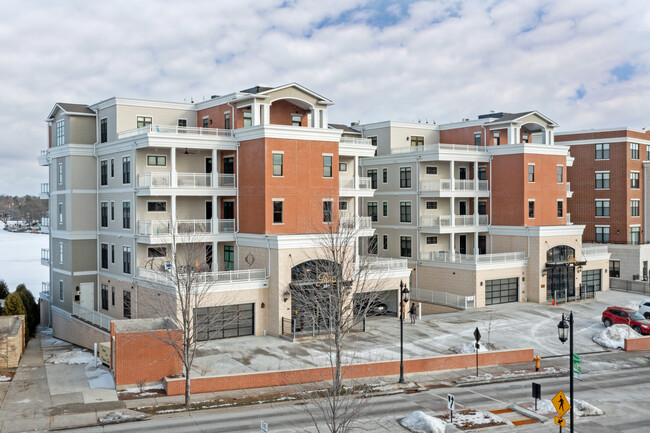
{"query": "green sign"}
[(577, 366)]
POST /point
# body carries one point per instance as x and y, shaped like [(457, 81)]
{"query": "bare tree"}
[(336, 293)]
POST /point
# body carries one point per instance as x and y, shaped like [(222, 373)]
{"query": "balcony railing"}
[(594, 251), (184, 180), (166, 277), (445, 220), (45, 256), (45, 188), (153, 227), (45, 222), (440, 147), (149, 180), (184, 130), (194, 180), (352, 140), (445, 185), (45, 291), (226, 180), (383, 263), (95, 317), (444, 256), (193, 226), (356, 223), (348, 183)]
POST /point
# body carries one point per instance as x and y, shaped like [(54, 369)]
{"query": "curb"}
[(529, 413), (508, 379)]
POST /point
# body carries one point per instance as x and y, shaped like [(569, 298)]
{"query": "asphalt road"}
[(621, 393)]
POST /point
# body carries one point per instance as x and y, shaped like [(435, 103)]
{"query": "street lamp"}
[(564, 331), (404, 290)]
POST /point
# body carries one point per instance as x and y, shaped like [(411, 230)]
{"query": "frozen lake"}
[(20, 260)]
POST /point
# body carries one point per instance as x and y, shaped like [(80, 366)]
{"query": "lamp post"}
[(565, 330), (404, 291)]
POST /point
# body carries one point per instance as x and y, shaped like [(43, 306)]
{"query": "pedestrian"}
[(413, 313)]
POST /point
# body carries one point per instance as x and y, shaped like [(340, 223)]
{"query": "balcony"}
[(443, 223), (362, 147), (218, 281), (153, 183), (44, 157), (93, 317), (45, 294), (45, 191), (569, 193), (162, 229), (460, 185), (45, 256), (595, 253), (356, 141), (175, 130), (362, 225), (347, 187), (445, 257), (441, 148)]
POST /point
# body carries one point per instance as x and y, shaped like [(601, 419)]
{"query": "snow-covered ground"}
[(20, 259), (580, 408), (420, 422), (614, 336)]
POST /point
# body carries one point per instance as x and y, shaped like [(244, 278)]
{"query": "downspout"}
[(97, 222), (417, 223), (490, 219), (268, 268)]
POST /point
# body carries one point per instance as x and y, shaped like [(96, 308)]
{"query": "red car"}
[(626, 316)]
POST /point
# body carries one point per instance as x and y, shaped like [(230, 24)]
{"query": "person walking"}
[(413, 312)]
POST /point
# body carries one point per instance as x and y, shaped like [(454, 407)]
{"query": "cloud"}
[(584, 63)]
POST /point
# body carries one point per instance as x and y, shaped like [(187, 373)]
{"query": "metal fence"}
[(443, 298), (301, 327), (629, 286)]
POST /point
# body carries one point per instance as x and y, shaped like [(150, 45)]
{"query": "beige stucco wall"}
[(77, 332), (126, 116), (82, 129)]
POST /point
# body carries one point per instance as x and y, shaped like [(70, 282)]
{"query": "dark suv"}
[(626, 316)]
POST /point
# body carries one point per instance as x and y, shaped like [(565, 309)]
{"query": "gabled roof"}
[(321, 98), (344, 128), (513, 117), (81, 109)]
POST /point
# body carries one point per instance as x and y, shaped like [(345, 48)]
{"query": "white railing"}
[(435, 185), (226, 226), (435, 221), (464, 220), (45, 152), (483, 220), (45, 222), (167, 277), (443, 298), (351, 140), (356, 223), (365, 183), (568, 218), (45, 255), (440, 147), (153, 180), (149, 228), (444, 256), (45, 188), (483, 185), (226, 180), (194, 180), (161, 227), (92, 316), (383, 263), (463, 185), (193, 226), (162, 129), (594, 252), (45, 291), (346, 183)]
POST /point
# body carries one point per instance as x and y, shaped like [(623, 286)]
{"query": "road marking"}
[(486, 396)]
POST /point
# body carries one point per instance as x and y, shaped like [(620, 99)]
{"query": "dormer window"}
[(296, 119)]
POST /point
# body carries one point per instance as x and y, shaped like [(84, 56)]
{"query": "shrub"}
[(33, 315)]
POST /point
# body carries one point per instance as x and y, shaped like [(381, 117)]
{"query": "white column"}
[(452, 247), (475, 176), (476, 211), (215, 256), (452, 208), (516, 134), (324, 118), (356, 172), (452, 175), (215, 172), (215, 218), (476, 243), (173, 212), (255, 114), (172, 168)]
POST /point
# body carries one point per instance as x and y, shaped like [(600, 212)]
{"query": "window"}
[(126, 169), (431, 205), (635, 235), (372, 211), (615, 268), (343, 205), (634, 150), (384, 175), (113, 296), (482, 173), (228, 257), (647, 152), (373, 141), (205, 122), (431, 169), (112, 168), (112, 211), (104, 297), (103, 130), (126, 304), (103, 214), (105, 256), (144, 121), (417, 140), (60, 133), (602, 208), (477, 139), (60, 290), (634, 205), (60, 173), (327, 211), (405, 246), (248, 118), (372, 174), (385, 208), (482, 208), (560, 173), (602, 234), (343, 166), (60, 252), (531, 172), (277, 212), (372, 244), (278, 164), (560, 208), (327, 166), (531, 209), (112, 253), (405, 177), (602, 151), (634, 179), (226, 120), (385, 242), (182, 123), (156, 251), (296, 119), (432, 240), (602, 180), (496, 140), (60, 213), (126, 260), (156, 206), (157, 160), (103, 173), (126, 214)]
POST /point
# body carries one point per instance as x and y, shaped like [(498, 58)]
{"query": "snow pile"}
[(118, 417), (4, 378), (467, 348), (74, 357), (471, 417), (580, 408), (145, 390), (614, 336), (419, 422)]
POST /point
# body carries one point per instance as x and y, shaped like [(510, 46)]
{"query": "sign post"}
[(477, 336), (451, 404), (562, 406), (537, 393), (577, 366)]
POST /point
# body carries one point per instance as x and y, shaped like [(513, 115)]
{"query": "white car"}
[(644, 308)]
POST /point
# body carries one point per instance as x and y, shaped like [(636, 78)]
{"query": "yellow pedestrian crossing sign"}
[(561, 404)]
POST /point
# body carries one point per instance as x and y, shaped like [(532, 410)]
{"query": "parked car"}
[(644, 308), (626, 316)]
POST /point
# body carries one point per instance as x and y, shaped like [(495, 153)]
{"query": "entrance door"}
[(228, 210), (561, 283), (462, 244), (462, 173), (87, 294), (229, 165), (228, 257), (462, 208), (482, 244)]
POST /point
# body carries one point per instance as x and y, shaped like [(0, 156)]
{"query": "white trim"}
[(430, 166), (62, 271), (612, 140), (83, 273), (538, 231), (400, 211), (74, 235), (528, 148), (288, 132)]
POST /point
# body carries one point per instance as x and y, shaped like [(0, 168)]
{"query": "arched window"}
[(560, 254)]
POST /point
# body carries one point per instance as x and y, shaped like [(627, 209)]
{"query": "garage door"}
[(501, 291), (591, 278), (214, 323)]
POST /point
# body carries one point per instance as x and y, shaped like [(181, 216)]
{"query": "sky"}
[(583, 63)]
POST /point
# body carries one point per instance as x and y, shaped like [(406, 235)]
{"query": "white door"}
[(87, 295)]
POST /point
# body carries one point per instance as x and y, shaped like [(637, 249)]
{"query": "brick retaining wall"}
[(640, 343)]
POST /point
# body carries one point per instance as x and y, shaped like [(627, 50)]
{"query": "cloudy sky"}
[(583, 63)]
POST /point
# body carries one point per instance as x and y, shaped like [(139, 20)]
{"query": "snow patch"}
[(4, 378), (467, 348), (144, 388), (118, 417), (614, 336), (74, 357), (420, 422), (580, 408)]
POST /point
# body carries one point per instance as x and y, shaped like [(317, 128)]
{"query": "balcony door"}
[(229, 165), (208, 210), (462, 208), (462, 244), (228, 210), (462, 173), (228, 257), (208, 165)]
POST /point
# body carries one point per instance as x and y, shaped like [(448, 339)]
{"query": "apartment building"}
[(479, 210), (250, 178), (609, 184)]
